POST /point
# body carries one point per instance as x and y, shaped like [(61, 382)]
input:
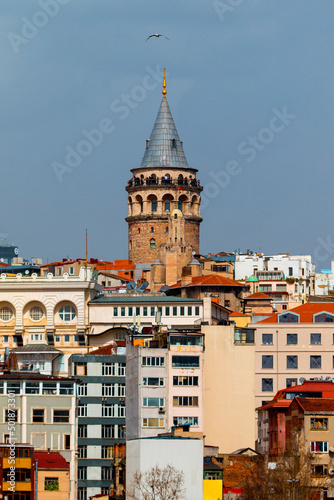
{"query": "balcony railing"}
[(156, 181)]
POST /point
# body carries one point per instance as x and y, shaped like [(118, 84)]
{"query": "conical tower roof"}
[(164, 149)]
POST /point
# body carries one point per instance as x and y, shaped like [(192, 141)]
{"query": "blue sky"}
[(232, 65)]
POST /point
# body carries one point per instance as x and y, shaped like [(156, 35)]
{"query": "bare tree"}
[(157, 484)]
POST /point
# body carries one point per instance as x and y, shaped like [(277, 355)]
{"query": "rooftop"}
[(316, 404), (208, 280), (51, 460), (305, 311), (121, 298)]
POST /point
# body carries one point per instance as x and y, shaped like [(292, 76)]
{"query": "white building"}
[(293, 266), (324, 281), (184, 454)]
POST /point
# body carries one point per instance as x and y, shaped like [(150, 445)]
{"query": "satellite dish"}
[(131, 285), (26, 272), (141, 288), (302, 380), (164, 288)]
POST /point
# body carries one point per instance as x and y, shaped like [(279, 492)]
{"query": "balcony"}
[(244, 336), (163, 181)]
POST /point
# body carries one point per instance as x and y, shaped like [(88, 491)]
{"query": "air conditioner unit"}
[(331, 472)]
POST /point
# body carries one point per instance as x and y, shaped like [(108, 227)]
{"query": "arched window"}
[(67, 313), (36, 313), (154, 205), (179, 205), (6, 313), (167, 205), (152, 243)]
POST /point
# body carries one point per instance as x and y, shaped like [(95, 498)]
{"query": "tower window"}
[(152, 229), (141, 206), (173, 143), (152, 243), (167, 205), (179, 205), (139, 230), (154, 205), (175, 216), (167, 229)]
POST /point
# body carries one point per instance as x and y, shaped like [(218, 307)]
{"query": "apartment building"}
[(101, 417), (293, 345), (42, 412), (164, 383), (17, 484)]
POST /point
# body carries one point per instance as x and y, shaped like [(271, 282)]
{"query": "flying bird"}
[(157, 35)]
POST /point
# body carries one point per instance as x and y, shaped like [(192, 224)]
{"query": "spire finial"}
[(164, 92)]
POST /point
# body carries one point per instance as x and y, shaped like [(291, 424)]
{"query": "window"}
[(288, 318), (315, 362), (67, 313), (323, 318), (190, 311), (319, 470), (144, 311), (174, 311), (106, 451), (292, 338), (154, 402), (267, 338), (121, 369), (197, 311), (316, 338), (167, 205), (280, 288), (49, 388), (152, 243), (130, 311), (152, 229), (179, 205), (185, 380), (57, 338), (290, 382), (108, 431), (154, 205), (153, 361), (185, 361), (122, 311), (106, 473), (121, 411), (11, 415), (267, 361), (153, 422), (108, 390), (82, 431), (82, 410), (82, 451), (185, 401), (319, 446), (61, 416), (115, 311), (108, 410), (153, 381), (82, 390), (185, 420), (66, 388), (67, 441), (152, 311), (182, 311), (66, 338), (108, 369), (32, 388), (290, 271), (36, 313), (267, 384), (319, 424), (6, 313), (82, 493), (82, 473), (292, 362), (137, 311), (38, 415), (51, 484), (13, 387), (167, 311), (5, 339)]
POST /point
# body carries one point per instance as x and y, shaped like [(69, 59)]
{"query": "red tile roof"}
[(208, 280), (316, 404), (235, 314), (51, 460), (306, 311), (118, 265), (105, 350), (258, 295)]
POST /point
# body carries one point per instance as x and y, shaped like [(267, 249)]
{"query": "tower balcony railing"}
[(163, 181)]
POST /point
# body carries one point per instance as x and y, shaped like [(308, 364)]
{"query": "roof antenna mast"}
[(164, 92)]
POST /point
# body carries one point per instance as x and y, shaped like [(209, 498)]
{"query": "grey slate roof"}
[(141, 298), (36, 348), (162, 150)]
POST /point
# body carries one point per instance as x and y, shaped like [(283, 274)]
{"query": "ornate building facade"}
[(164, 201)]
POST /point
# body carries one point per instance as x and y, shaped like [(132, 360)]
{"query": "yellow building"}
[(240, 320), (53, 476)]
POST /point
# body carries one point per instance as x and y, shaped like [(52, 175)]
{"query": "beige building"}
[(229, 391), (53, 476), (293, 345)]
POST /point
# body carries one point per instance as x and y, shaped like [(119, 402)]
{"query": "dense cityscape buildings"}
[(169, 357)]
